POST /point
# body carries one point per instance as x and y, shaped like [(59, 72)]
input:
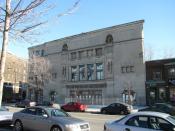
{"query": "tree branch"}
[(3, 9), (16, 7), (71, 10), (29, 7), (32, 27)]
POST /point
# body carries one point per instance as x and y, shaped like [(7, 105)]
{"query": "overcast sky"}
[(159, 26)]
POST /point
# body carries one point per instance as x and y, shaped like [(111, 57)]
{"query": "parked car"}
[(47, 119), (5, 116), (74, 106), (25, 103), (142, 121), (49, 104), (117, 108), (161, 107)]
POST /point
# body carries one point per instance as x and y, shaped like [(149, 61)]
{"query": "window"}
[(98, 52), (90, 53), (74, 74), (90, 72), (127, 69), (54, 75), (109, 39), (109, 66), (65, 47), (81, 54), (157, 75), (138, 121), (157, 123), (42, 53), (73, 55), (40, 112), (31, 111), (171, 72), (37, 52), (81, 72), (64, 71), (99, 71)]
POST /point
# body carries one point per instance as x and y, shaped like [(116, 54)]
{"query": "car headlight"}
[(72, 126)]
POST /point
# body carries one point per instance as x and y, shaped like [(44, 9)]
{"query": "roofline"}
[(17, 57), (160, 59), (94, 31)]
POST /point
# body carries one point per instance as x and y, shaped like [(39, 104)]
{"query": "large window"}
[(90, 72), (157, 75), (98, 52), (74, 73), (109, 39), (90, 53), (171, 72), (73, 55), (99, 71), (82, 72), (81, 54)]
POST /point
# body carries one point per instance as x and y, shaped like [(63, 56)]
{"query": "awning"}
[(154, 82), (169, 64)]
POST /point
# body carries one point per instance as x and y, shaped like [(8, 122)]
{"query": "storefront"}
[(157, 91)]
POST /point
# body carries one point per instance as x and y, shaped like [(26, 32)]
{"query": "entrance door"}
[(152, 98)]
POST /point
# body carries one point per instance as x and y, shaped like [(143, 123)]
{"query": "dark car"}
[(49, 104), (161, 107), (116, 108), (74, 106), (25, 103), (45, 103)]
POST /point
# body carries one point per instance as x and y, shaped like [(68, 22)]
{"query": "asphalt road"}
[(96, 120)]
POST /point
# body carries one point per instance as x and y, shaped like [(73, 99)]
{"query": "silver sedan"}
[(5, 117), (47, 119)]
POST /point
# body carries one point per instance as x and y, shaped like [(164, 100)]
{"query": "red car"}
[(74, 106)]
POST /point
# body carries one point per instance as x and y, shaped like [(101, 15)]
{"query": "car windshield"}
[(57, 113), (171, 119)]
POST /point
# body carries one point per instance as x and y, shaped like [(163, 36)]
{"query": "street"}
[(96, 120)]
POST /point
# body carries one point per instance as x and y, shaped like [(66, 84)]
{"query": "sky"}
[(159, 26)]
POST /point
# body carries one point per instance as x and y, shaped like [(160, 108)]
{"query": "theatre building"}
[(160, 81), (97, 67)]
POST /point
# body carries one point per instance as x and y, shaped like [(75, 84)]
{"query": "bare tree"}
[(19, 20), (168, 53), (41, 70), (148, 53)]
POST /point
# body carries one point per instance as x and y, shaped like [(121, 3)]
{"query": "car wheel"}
[(104, 112), (55, 128), (18, 126)]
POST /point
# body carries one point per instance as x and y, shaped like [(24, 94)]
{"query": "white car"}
[(5, 117), (142, 121)]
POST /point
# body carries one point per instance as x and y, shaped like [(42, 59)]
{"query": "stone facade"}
[(97, 67)]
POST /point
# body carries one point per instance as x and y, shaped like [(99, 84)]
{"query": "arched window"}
[(109, 39), (65, 47)]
